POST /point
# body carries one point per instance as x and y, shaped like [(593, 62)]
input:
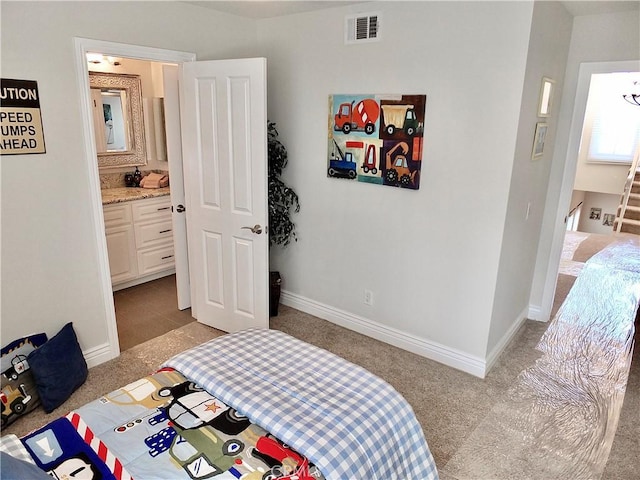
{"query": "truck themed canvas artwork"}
[(376, 138)]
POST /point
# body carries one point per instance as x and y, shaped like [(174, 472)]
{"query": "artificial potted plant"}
[(282, 200)]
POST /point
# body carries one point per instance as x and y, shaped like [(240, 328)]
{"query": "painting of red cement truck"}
[(377, 138), (357, 117)]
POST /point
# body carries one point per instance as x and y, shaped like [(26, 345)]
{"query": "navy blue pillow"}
[(58, 368)]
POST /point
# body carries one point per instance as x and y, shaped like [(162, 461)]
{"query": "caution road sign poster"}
[(20, 119)]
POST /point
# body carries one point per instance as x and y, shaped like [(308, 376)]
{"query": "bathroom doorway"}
[(230, 290), (146, 305), (144, 300)]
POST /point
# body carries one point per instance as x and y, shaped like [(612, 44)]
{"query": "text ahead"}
[(20, 120)]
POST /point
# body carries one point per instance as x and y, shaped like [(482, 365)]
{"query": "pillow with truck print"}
[(19, 393)]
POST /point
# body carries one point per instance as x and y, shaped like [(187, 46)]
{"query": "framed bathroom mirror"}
[(116, 101)]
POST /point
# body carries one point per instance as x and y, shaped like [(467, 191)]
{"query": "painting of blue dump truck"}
[(376, 139)]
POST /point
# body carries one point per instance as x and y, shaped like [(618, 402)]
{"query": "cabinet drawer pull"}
[(168, 256), (165, 231), (163, 208)]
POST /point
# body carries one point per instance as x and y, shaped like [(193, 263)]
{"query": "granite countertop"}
[(129, 194)]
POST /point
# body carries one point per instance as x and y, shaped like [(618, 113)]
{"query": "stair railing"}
[(572, 211), (627, 189), (569, 215)]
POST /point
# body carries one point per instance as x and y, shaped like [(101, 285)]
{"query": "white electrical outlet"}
[(368, 297)]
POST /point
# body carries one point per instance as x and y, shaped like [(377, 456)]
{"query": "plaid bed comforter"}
[(348, 422)]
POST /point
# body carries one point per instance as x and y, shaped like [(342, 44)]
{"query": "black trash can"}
[(274, 293)]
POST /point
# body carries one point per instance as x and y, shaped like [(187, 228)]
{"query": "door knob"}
[(179, 208), (257, 229)]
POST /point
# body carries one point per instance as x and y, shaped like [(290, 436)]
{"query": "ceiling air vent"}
[(362, 28)]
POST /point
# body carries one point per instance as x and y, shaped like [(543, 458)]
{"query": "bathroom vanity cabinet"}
[(139, 241)]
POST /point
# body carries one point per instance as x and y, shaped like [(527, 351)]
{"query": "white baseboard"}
[(97, 355), (537, 313), (144, 279), (440, 353), (506, 339)]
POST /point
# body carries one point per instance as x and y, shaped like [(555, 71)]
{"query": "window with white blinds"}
[(613, 124)]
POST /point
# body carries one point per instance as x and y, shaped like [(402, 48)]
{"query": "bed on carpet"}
[(257, 404)]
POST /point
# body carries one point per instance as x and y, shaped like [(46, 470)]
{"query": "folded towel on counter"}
[(155, 180)]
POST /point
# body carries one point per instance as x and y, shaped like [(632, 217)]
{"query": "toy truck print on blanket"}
[(253, 405), (18, 394), (164, 426)]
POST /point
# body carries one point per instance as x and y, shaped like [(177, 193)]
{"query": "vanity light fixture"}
[(95, 58), (98, 58)]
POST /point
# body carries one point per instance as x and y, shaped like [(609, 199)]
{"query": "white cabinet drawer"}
[(152, 209), (139, 240), (117, 214), (156, 233), (121, 246), (155, 259)]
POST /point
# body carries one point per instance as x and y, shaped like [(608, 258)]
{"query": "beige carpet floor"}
[(450, 405)]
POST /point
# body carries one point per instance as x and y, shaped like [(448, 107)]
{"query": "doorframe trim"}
[(586, 69), (82, 47)]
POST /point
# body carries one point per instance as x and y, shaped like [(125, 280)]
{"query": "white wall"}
[(436, 259), (547, 57), (607, 203), (594, 38), (429, 256), (49, 256)]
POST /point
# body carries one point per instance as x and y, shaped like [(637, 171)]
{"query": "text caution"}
[(20, 119)]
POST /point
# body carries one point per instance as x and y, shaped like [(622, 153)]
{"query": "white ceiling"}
[(268, 9), (577, 8)]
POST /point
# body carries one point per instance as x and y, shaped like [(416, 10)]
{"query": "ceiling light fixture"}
[(98, 58), (113, 61), (95, 58), (633, 98)]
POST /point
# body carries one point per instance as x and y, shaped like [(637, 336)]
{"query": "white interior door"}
[(170, 75), (224, 142)]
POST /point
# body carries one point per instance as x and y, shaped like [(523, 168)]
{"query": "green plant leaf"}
[(283, 200)]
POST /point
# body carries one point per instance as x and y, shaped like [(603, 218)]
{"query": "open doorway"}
[(137, 214), (609, 141), (121, 53), (222, 105)]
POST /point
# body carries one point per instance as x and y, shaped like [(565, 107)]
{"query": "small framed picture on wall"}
[(608, 219), (539, 140)]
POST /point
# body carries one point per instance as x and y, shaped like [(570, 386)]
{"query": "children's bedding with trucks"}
[(253, 405)]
